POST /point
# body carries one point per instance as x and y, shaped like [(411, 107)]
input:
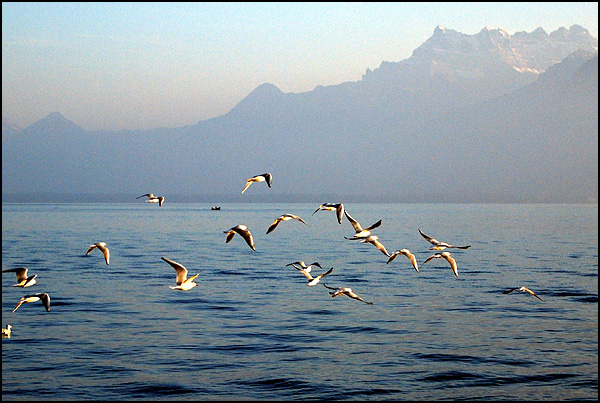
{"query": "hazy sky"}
[(144, 65)]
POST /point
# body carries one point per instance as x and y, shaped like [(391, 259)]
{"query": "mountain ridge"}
[(385, 137)]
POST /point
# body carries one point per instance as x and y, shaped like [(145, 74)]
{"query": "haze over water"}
[(252, 329)]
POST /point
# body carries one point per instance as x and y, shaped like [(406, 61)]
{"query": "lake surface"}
[(252, 329)]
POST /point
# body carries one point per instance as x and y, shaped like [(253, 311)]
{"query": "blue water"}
[(252, 329)]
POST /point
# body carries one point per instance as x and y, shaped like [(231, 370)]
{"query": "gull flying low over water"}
[(522, 289), (306, 271), (374, 240), (437, 245), (406, 253), (284, 217), (23, 280), (448, 257), (347, 291), (45, 298), (266, 177), (358, 229), (337, 207), (243, 231), (183, 282), (304, 266), (103, 249), (6, 332), (153, 199)]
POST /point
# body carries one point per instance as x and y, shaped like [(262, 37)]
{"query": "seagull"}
[(243, 231), (45, 298), (103, 249), (183, 283), (437, 245), (6, 332), (359, 231), (345, 291), (448, 257), (522, 289), (266, 177), (23, 280), (372, 239), (304, 266), (311, 280), (337, 207), (406, 253), (153, 199), (284, 217)]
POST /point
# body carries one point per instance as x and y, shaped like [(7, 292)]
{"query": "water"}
[(252, 329)]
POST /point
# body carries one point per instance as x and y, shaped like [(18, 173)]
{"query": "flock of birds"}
[(185, 283)]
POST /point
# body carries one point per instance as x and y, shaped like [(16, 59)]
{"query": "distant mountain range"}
[(489, 117)]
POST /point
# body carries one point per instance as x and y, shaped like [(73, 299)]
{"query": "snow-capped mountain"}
[(484, 117)]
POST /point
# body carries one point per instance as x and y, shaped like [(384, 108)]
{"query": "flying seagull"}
[(374, 240), (243, 231), (437, 245), (522, 289), (23, 280), (347, 291), (311, 280), (358, 229), (153, 199), (448, 257), (266, 177), (304, 266), (406, 253), (103, 249), (337, 207), (183, 282), (284, 217), (45, 298)]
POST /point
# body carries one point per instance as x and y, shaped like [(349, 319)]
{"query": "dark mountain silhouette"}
[(466, 118)]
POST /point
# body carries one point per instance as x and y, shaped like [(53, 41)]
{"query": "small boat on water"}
[(215, 208)]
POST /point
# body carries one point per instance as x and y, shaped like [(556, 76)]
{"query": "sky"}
[(145, 65)]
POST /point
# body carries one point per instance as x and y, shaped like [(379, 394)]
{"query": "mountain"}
[(484, 117)]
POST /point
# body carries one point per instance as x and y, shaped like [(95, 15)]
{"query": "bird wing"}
[(268, 178), (430, 258), (247, 237), (379, 246), (180, 270), (21, 273), (452, 262), (355, 224), (510, 290), (275, 224), (531, 292), (373, 226), (295, 217), (45, 300), (331, 288), (430, 239), (248, 183), (229, 236), (92, 247), (393, 256), (105, 252), (340, 212), (412, 259), (352, 294), (326, 273)]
